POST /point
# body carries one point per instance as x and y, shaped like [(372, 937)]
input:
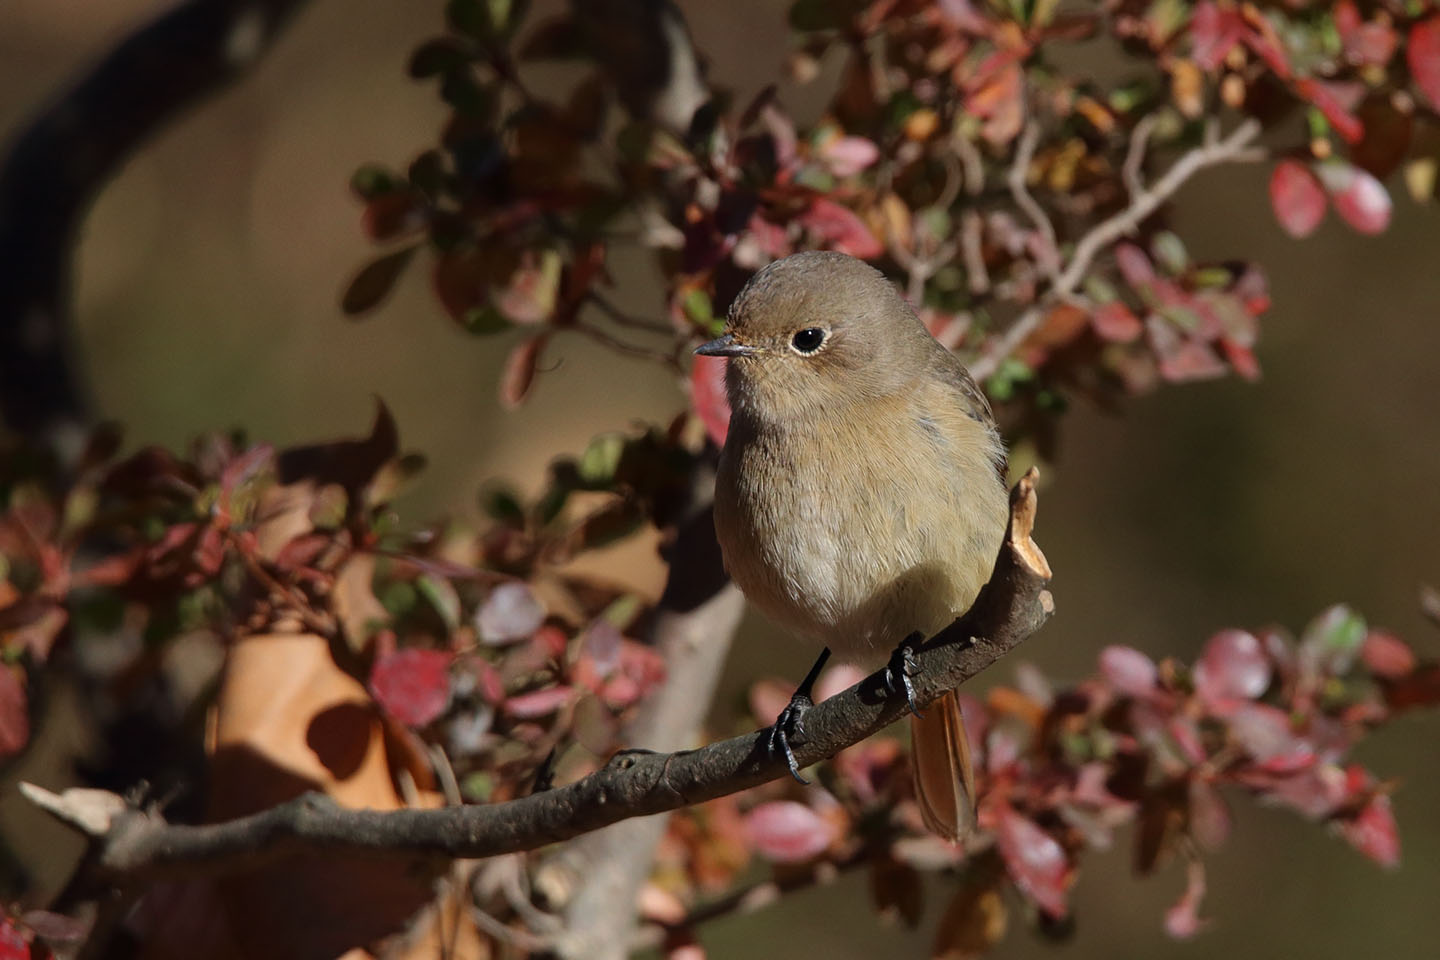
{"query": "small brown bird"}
[(861, 495)]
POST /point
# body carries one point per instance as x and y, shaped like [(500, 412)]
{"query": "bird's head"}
[(817, 331)]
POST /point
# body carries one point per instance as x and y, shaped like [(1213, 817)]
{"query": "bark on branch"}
[(131, 846)]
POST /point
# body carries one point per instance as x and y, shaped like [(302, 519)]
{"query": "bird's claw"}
[(791, 722), (901, 668)]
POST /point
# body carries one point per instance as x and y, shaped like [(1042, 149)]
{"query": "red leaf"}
[(1034, 860), (14, 712), (1334, 100), (1374, 833), (1181, 358), (1128, 670), (1386, 655), (1213, 32), (1363, 43), (1264, 733), (1422, 53), (998, 97), (1134, 266), (1297, 198), (538, 703), (412, 685), (1232, 667), (1359, 198), (1182, 920), (13, 945), (840, 229), (707, 396), (1209, 815), (392, 214), (519, 373), (788, 832), (1115, 321), (1241, 359)]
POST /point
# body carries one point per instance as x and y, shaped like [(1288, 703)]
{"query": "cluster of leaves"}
[(481, 642), (1060, 771), (953, 153)]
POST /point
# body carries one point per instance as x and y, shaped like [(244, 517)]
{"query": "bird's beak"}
[(725, 346)]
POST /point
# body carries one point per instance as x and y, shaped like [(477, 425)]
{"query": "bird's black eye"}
[(808, 340)]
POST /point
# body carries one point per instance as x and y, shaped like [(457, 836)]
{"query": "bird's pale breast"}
[(857, 530)]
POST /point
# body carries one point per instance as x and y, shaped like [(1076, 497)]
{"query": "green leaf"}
[(1100, 290), (699, 311), (478, 786), (500, 503), (597, 465), (374, 281), (1212, 278), (622, 610), (1335, 637), (1169, 251), (1182, 317), (372, 180), (1003, 382), (485, 321), (442, 596)]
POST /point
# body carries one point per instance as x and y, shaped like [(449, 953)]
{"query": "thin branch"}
[(1017, 179), (624, 319), (972, 231), (667, 360), (1135, 154), (131, 846), (1237, 147), (59, 163)]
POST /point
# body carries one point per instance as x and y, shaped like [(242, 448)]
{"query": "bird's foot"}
[(902, 667), (791, 722)]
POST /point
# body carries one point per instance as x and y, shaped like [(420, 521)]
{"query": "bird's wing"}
[(953, 373)]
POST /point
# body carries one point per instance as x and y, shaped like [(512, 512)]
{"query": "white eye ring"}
[(808, 340)]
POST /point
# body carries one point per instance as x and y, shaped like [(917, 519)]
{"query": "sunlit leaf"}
[(1360, 199), (509, 614), (1034, 860), (788, 832), (412, 685), (1128, 670)]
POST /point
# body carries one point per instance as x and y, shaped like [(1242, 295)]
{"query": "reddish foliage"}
[(1422, 53), (707, 397), (1297, 198), (412, 685), (787, 832)]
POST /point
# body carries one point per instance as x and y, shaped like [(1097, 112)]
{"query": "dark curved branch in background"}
[(55, 167), (131, 845)]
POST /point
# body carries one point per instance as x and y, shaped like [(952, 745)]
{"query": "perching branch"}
[(133, 846), (58, 164), (1237, 147)]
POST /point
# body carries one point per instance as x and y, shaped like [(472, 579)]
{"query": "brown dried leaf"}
[(973, 923)]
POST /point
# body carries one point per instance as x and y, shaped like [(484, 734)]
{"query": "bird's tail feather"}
[(944, 778)]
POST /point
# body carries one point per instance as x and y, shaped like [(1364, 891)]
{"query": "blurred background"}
[(209, 278)]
